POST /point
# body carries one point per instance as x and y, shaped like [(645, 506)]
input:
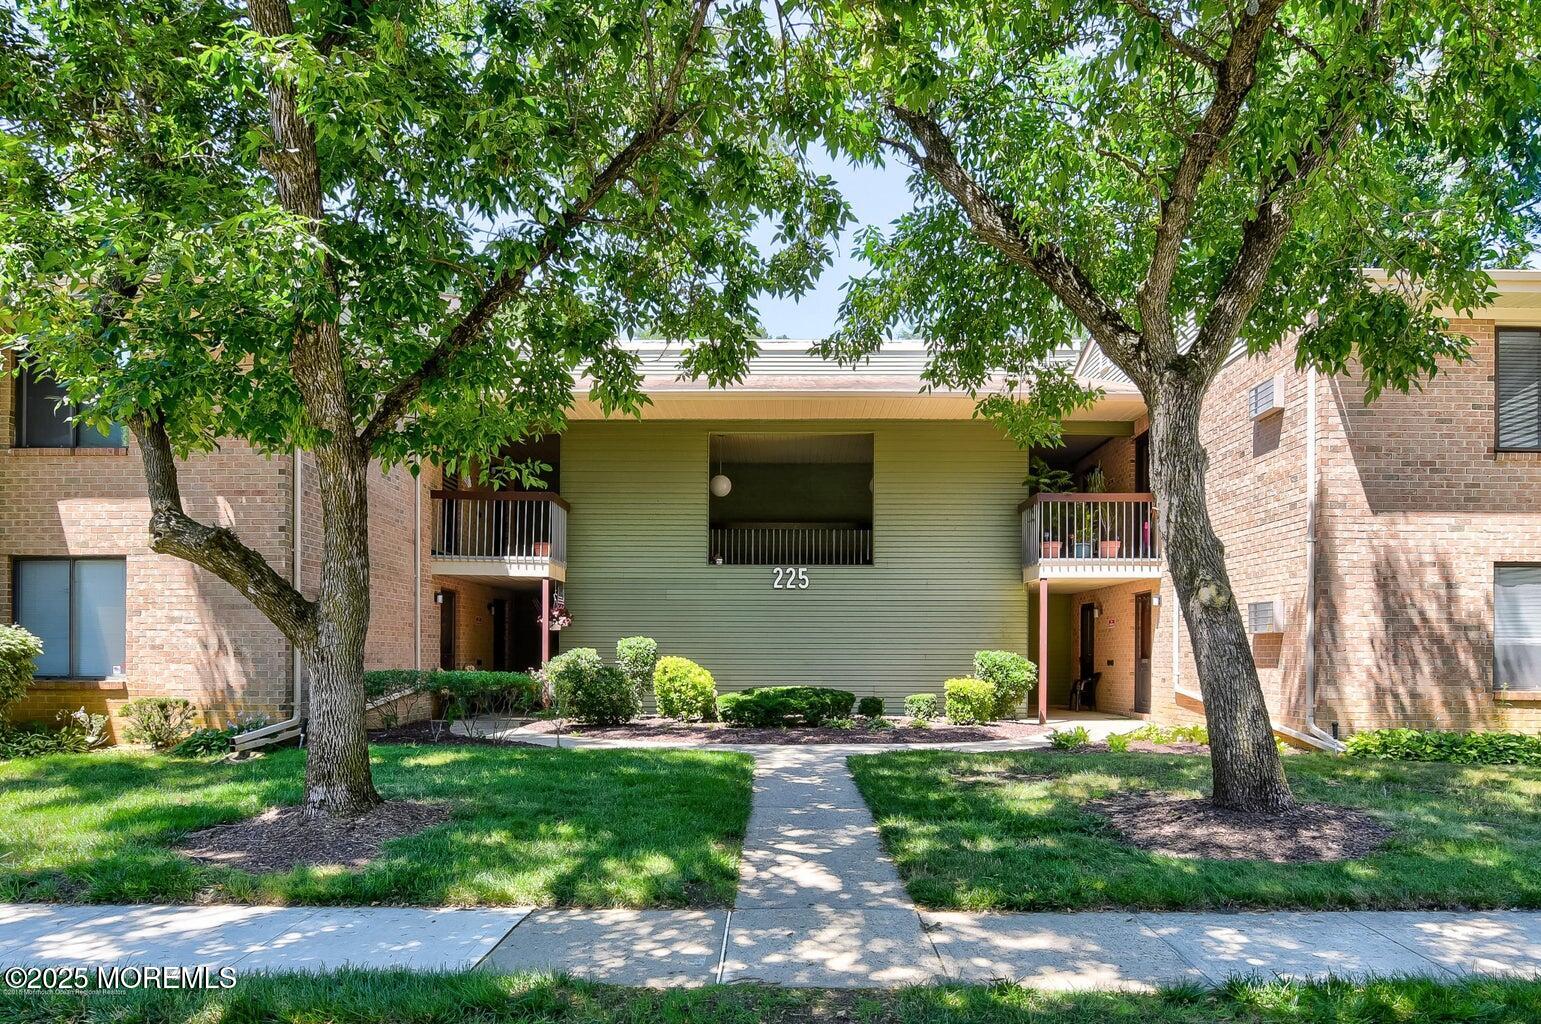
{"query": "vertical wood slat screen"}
[(1519, 389)]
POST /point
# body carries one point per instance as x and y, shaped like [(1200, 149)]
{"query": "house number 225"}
[(790, 578)]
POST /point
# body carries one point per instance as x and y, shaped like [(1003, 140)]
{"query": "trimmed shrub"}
[(1069, 739), (461, 693), (784, 705), (159, 721), (1455, 747), (637, 658), (684, 690), (19, 651), (969, 701), (590, 691), (922, 706), (870, 707), (1012, 675)]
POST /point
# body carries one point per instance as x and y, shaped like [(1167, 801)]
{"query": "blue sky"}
[(877, 196)]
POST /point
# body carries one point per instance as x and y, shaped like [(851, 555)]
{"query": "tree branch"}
[(1234, 78), (1171, 38), (508, 285), (215, 548), (997, 225), (1265, 232)]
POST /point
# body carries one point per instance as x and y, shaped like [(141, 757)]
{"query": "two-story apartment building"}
[(828, 525)]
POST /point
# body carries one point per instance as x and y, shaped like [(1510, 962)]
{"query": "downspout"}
[(256, 737), (1315, 735), (417, 574)]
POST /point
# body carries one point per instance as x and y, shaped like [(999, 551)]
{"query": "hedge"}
[(637, 658), (1455, 747), (590, 691), (766, 706), (1012, 675), (969, 701), (481, 691), (19, 651), (922, 706), (684, 690), (870, 707)]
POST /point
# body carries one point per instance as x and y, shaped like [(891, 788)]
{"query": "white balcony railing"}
[(1090, 531), (790, 544), (501, 533)]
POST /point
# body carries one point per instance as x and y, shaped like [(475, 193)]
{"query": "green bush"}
[(159, 721), (1012, 675), (210, 741), (870, 707), (1456, 747), (1152, 733), (784, 705), (19, 651), (922, 706), (684, 690), (637, 658), (969, 701), (79, 732), (1118, 742), (590, 691), (469, 691), (1069, 739)]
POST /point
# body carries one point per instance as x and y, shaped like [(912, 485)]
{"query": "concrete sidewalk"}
[(812, 946)]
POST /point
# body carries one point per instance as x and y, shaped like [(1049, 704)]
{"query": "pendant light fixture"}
[(720, 485)]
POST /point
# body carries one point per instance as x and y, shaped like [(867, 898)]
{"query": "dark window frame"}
[(1498, 567), (25, 375), (16, 561), (1498, 341)]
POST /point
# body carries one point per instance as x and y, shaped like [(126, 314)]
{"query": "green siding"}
[(947, 579)]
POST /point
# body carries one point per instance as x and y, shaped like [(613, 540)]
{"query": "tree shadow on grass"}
[(594, 828), (1463, 836)]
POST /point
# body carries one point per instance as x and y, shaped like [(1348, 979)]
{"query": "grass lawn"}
[(402, 998), (1466, 836), (593, 828)]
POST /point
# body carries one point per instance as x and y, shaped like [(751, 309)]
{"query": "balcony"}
[(790, 544), (499, 535), (1073, 539)]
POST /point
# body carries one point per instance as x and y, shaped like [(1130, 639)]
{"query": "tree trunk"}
[(1248, 773), (337, 778)]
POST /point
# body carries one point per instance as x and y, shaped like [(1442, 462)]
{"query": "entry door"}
[(447, 629), (1142, 652), (1088, 640), (500, 635)]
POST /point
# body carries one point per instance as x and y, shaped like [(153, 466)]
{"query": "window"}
[(76, 607), (790, 499), (1519, 390), (1517, 627), (44, 419)]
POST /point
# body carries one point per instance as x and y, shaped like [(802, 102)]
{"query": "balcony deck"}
[(499, 535), (1070, 541)]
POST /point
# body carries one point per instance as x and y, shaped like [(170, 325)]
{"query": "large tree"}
[(380, 232), (1172, 179)]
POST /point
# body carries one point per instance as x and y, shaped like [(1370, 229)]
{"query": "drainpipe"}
[(417, 574), (1315, 735), (259, 737)]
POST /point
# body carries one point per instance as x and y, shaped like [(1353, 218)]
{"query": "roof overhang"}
[(1517, 301)]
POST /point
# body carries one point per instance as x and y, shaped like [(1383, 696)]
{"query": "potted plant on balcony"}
[(1086, 533), (1049, 548), (1108, 547), (1045, 479)]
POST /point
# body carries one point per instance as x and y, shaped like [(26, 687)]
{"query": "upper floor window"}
[(790, 499), (46, 419), (1517, 627), (1519, 390), (76, 606)]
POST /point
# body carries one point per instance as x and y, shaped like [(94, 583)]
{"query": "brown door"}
[(447, 629), (1142, 652), (500, 634)]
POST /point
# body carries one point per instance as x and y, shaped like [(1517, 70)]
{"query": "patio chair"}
[(1083, 692)]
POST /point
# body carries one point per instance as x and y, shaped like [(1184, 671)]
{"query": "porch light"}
[(721, 486)]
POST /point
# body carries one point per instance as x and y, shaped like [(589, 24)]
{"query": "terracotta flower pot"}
[(1051, 548), (1109, 548), (542, 549)]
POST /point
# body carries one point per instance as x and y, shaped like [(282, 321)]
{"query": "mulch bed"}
[(281, 838), (427, 734), (716, 732), (1198, 830)]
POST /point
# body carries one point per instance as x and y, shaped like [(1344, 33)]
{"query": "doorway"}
[(499, 610), (446, 629), (1088, 641), (1142, 652)]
